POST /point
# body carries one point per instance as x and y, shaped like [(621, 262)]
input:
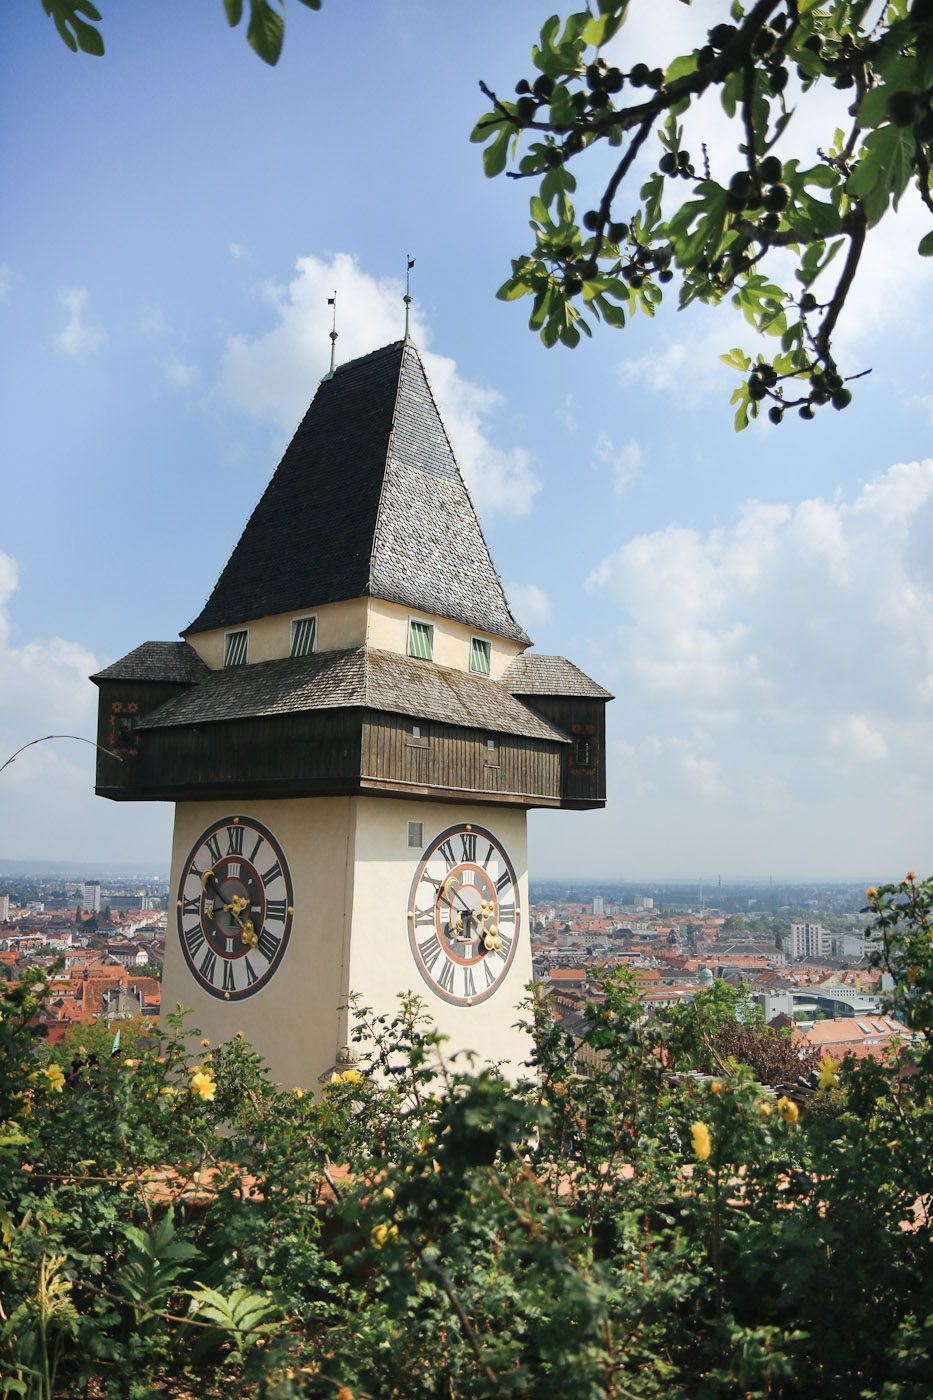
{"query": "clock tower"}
[(352, 731)]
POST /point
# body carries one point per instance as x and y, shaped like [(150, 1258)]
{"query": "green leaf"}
[(73, 30), (925, 247), (266, 31), (234, 11), (495, 155)]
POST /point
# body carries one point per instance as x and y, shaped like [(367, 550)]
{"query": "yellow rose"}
[(871, 892), (829, 1072), (788, 1109), (203, 1084), (299, 1093), (702, 1145), (350, 1076), (764, 1110), (381, 1233), (56, 1078)]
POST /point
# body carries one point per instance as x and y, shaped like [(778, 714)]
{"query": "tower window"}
[(421, 640), (582, 752), (415, 835), (236, 648), (480, 654), (304, 636)]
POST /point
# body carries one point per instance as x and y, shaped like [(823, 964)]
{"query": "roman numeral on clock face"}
[(211, 921), (454, 905)]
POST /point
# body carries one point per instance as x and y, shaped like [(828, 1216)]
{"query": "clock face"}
[(463, 914), (234, 909)]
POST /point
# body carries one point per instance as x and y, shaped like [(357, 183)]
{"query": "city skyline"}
[(759, 604)]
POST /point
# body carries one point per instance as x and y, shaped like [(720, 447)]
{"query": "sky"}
[(175, 216)]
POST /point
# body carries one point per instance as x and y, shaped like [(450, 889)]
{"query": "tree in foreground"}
[(172, 1223), (720, 229)]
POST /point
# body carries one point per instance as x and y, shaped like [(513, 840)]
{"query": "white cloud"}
[(78, 338), (689, 365), (529, 603), (855, 736), (238, 252), (180, 374), (624, 463), (797, 632), (274, 375), (45, 690), (6, 280), (152, 322)]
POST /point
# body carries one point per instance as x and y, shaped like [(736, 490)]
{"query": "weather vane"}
[(407, 298), (332, 301)]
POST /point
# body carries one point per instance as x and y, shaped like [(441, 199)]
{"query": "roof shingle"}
[(359, 676), (531, 674), (157, 661), (367, 501)]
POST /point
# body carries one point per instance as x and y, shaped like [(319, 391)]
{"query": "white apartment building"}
[(90, 900), (806, 940)]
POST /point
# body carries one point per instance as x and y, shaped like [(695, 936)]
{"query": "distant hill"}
[(83, 869)]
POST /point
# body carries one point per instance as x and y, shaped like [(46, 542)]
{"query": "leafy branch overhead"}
[(711, 229), (77, 21)]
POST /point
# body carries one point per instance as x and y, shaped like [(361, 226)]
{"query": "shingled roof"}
[(368, 501), (531, 674), (358, 676), (157, 661)]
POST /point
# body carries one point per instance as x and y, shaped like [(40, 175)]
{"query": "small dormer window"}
[(480, 656), (421, 640), (304, 636), (236, 648)]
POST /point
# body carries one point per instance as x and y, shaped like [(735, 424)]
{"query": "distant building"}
[(599, 906), (90, 900), (4, 908), (642, 901), (806, 940)]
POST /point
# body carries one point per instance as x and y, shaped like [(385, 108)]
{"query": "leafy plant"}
[(710, 229)]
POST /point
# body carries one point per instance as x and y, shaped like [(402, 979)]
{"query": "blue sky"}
[(176, 215)]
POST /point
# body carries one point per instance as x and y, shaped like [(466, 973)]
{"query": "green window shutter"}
[(235, 645), (421, 640), (303, 634), (480, 656)]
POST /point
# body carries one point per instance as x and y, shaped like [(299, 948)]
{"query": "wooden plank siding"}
[(459, 760), (583, 718), (333, 752)]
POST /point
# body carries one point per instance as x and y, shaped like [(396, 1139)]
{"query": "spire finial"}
[(407, 297), (332, 301)]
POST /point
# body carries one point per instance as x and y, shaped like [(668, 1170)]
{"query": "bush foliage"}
[(172, 1223)]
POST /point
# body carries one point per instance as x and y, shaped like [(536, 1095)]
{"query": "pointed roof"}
[(368, 501)]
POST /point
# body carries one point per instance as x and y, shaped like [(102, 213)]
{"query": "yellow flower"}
[(206, 1043), (299, 1093), (871, 892), (202, 1083), (829, 1072), (130, 1064), (702, 1145), (716, 1087), (56, 1078), (346, 1076), (764, 1110), (788, 1109), (910, 875), (238, 1035), (381, 1233)]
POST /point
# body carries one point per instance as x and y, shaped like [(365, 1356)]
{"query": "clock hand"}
[(235, 907)]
